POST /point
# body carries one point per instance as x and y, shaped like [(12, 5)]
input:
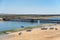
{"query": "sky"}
[(30, 6)]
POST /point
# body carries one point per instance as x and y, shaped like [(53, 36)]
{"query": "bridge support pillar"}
[(38, 21)]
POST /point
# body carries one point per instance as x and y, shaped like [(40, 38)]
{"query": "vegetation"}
[(15, 30)]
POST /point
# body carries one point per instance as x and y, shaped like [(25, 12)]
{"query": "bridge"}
[(38, 18)]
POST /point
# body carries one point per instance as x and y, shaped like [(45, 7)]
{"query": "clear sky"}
[(30, 6)]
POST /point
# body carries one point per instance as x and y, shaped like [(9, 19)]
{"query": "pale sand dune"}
[(35, 34)]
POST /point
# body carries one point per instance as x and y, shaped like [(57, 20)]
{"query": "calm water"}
[(7, 25)]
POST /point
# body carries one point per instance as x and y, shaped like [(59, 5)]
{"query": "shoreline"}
[(35, 34), (25, 28)]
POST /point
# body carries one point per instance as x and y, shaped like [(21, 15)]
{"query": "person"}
[(28, 30), (51, 28), (56, 28), (20, 33), (22, 26)]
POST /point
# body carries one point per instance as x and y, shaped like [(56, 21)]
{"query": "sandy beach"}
[(35, 34)]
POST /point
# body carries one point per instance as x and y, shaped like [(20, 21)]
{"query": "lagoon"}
[(8, 25)]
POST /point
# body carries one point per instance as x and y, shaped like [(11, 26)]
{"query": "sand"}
[(35, 34)]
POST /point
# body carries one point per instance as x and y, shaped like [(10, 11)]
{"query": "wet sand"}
[(35, 34)]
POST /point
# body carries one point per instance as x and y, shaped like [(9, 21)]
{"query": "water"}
[(7, 25)]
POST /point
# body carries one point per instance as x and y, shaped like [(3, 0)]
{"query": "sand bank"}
[(35, 34)]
